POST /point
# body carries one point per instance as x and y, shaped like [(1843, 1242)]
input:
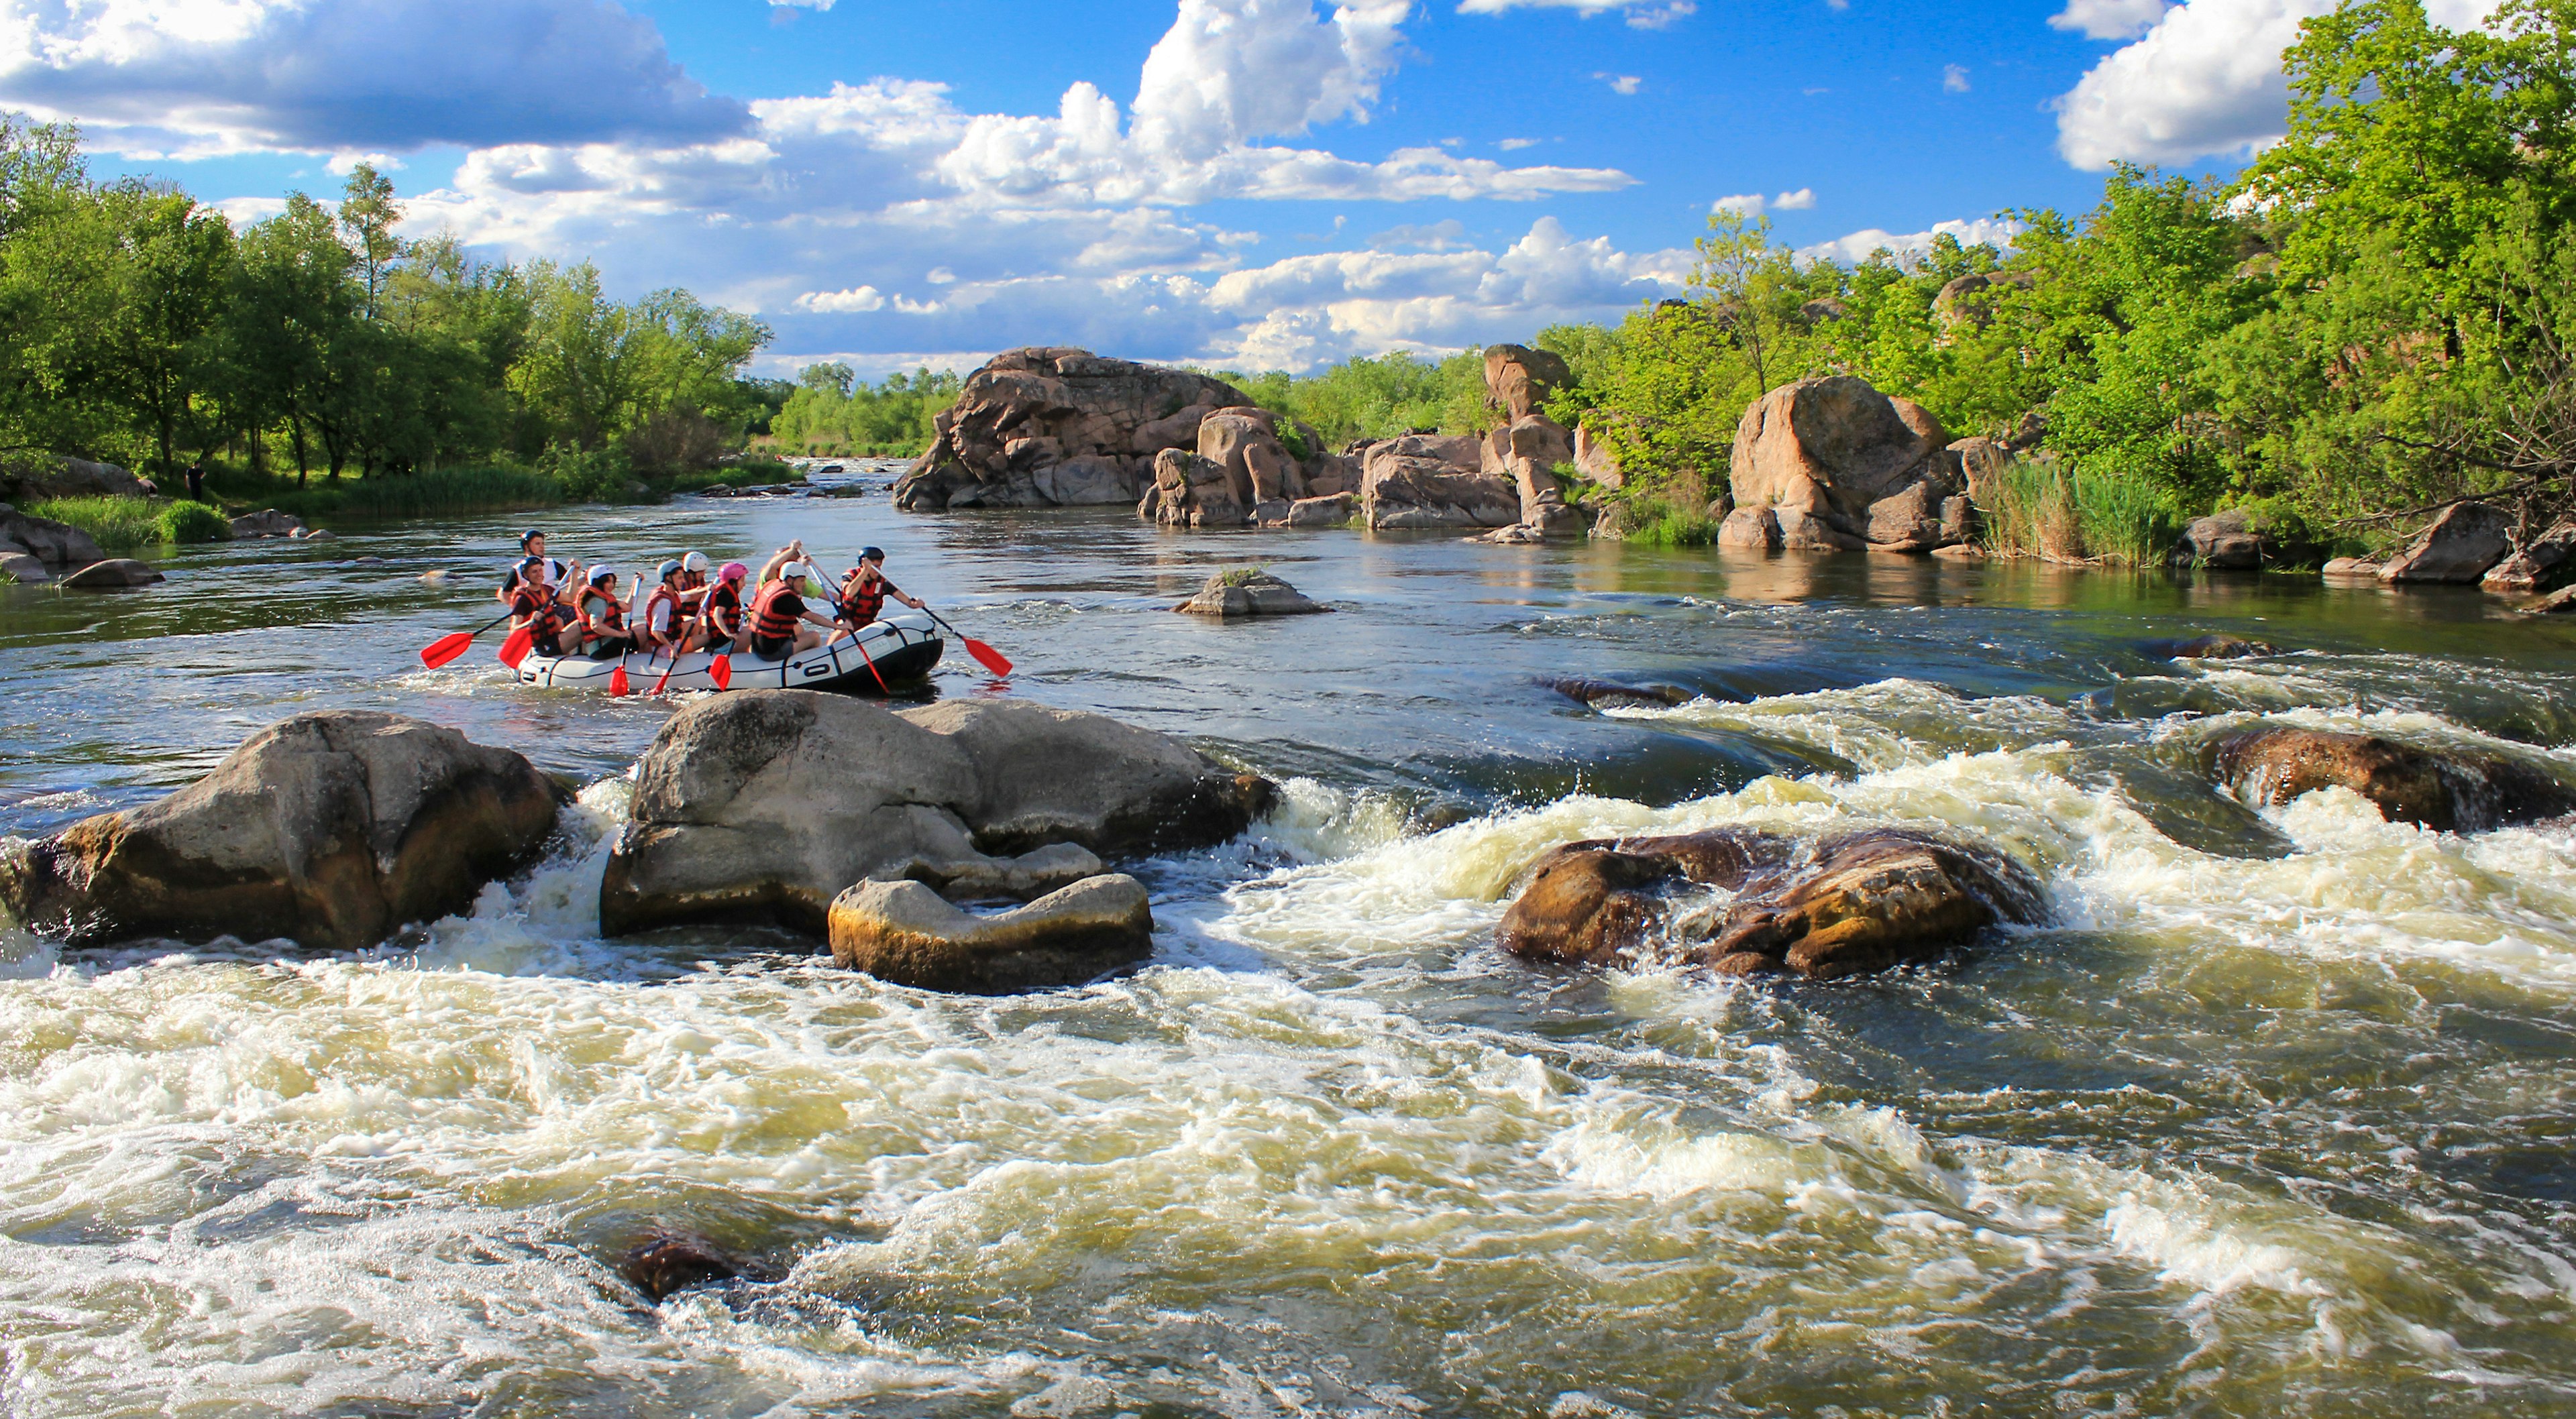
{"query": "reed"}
[(2067, 515)]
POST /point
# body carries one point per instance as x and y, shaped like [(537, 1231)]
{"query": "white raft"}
[(902, 647)]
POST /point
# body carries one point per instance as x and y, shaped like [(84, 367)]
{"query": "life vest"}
[(538, 606), (770, 621), (723, 608), (612, 612), (661, 595), (861, 603)]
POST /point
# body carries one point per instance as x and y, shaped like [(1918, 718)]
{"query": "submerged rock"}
[(2448, 791), (669, 1262), (1248, 592), (764, 805), (1848, 905), (2216, 646), (1598, 693), (333, 828), (905, 933), (113, 574)]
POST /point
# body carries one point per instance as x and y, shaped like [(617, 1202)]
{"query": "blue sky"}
[(1255, 183)]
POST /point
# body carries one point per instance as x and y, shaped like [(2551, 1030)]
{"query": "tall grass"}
[(115, 524), (2046, 510), (1655, 523)]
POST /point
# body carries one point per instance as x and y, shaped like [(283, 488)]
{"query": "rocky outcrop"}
[(2351, 567), (2448, 791), (1053, 427), (57, 544), (1594, 459), (113, 574), (37, 477), (332, 828), (2459, 546), (1248, 592), (1242, 471), (1191, 491), (1433, 481), (267, 522), (1846, 905), (905, 933), (1813, 459), (1519, 380), (2224, 541), (1332, 511), (764, 805), (1526, 454), (2543, 563)]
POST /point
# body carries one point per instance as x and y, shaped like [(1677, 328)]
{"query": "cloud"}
[(227, 76), (1856, 247), (855, 299), (2108, 19), (2203, 81), (1641, 14), (1231, 70), (1514, 145), (1620, 83), (1954, 78), (1754, 204), (1449, 235)]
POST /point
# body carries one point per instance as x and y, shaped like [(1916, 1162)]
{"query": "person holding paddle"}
[(603, 616), (864, 590), (538, 608), (776, 630)]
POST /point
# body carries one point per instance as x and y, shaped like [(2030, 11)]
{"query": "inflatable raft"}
[(882, 654)]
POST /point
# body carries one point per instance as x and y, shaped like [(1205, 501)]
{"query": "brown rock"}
[(2556, 603), (1431, 481), (2542, 564), (1518, 379), (1191, 491), (665, 1263), (2442, 790), (1820, 453), (1527, 451), (1589, 903), (1031, 410), (2224, 541), (56, 543), (2208, 647), (333, 828), (1331, 511), (1750, 529), (1594, 460), (1982, 462), (1244, 442), (267, 522), (2351, 566), (904, 933), (112, 574), (1248, 592), (2459, 546)]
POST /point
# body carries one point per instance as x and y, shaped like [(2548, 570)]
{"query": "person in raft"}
[(693, 582), (538, 608), (659, 622), (779, 620), (532, 543), (602, 615), (719, 618), (864, 590)]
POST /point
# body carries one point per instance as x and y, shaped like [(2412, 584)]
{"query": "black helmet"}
[(872, 554), (531, 535)]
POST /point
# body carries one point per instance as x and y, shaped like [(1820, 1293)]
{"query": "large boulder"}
[(1526, 453), (1847, 905), (905, 933), (764, 805), (2459, 546), (2447, 791), (57, 543), (113, 574), (1817, 455), (1029, 410), (2224, 541), (333, 828), (1518, 379), (2543, 563), (1245, 443), (1434, 481), (1248, 591), (1595, 459), (37, 477), (1191, 491)]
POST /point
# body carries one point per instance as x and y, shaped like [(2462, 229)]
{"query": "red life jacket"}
[(723, 608), (536, 604), (861, 604), (771, 621), (661, 594), (612, 614)]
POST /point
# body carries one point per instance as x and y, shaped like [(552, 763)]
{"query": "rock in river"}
[(906, 933), (2459, 546), (1832, 463), (333, 828), (1848, 905), (2443, 790), (764, 805), (1248, 591), (113, 574)]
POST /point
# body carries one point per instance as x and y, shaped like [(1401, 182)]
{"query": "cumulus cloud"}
[(1856, 247), (2108, 19), (1620, 83), (855, 299), (2204, 80), (1954, 78), (1754, 204), (1514, 145), (193, 78), (1641, 14), (1230, 70)]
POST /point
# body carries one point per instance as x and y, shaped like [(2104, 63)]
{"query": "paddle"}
[(617, 678), (516, 648), (452, 645), (718, 671), (990, 658)]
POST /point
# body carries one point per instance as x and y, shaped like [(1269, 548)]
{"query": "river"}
[(2276, 1116)]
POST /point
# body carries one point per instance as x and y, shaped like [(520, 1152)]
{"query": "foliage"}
[(146, 330), (1656, 523), (115, 524), (1241, 576), (448, 492), (1379, 397), (182, 522), (588, 475), (749, 473), (2068, 513), (830, 412)]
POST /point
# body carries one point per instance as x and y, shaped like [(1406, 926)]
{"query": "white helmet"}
[(792, 571), (694, 562)]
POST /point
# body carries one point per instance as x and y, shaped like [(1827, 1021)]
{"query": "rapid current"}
[(2274, 1117)]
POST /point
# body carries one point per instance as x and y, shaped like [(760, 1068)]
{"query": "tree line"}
[(146, 329)]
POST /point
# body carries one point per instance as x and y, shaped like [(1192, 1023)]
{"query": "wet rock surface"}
[(764, 805), (57, 544), (1242, 593), (1434, 482), (267, 522), (113, 574), (665, 1263), (2445, 790), (905, 933), (1847, 905), (2214, 646), (332, 828), (1602, 694)]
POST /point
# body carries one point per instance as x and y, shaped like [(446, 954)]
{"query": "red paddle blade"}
[(721, 671), (516, 648), (445, 649), (990, 658), (617, 679)]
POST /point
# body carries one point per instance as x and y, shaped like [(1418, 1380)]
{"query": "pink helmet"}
[(732, 571)]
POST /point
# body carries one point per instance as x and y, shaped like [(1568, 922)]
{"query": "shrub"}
[(1241, 576), (587, 475), (193, 522), (115, 524), (2044, 509)]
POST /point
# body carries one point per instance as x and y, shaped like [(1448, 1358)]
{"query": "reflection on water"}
[(2275, 1116)]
